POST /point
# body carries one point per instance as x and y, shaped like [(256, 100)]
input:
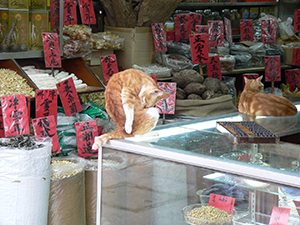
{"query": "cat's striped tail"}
[(99, 141)]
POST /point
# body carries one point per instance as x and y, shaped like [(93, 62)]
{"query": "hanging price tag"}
[(15, 115), (69, 97), (109, 66), (87, 12), (1, 124), (201, 29), (216, 33), (246, 27), (296, 20), (85, 133), (154, 77), (170, 35), (199, 48), (228, 30), (195, 19), (268, 31), (222, 202), (292, 78), (70, 12), (272, 68), (296, 57), (46, 127), (51, 50), (54, 12), (159, 37), (182, 27), (167, 106), (213, 67), (279, 216), (46, 103)]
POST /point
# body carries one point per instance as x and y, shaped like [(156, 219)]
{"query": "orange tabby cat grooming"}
[(254, 102), (130, 98)]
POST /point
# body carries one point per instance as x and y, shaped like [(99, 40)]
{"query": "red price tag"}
[(272, 68), (182, 26), (109, 66), (167, 106), (171, 35), (46, 103), (222, 202), (1, 124), (195, 19), (228, 30), (159, 37), (87, 12), (201, 29), (292, 78), (249, 76), (268, 31), (15, 115), (296, 57), (69, 97), (297, 21), (51, 50), (246, 27), (154, 77), (213, 67), (46, 127), (199, 48), (216, 33), (85, 133), (279, 216), (70, 12), (54, 12)]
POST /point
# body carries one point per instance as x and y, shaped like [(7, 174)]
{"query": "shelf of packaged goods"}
[(251, 70), (196, 5), (21, 55)]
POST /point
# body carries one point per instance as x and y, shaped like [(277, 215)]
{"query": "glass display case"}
[(181, 164)]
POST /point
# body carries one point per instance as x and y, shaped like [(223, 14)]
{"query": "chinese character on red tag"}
[(15, 115), (1, 124), (109, 66), (222, 202), (268, 31), (54, 13), (51, 50), (167, 106), (70, 12), (46, 127), (213, 67), (228, 30), (154, 77), (159, 37), (297, 21), (216, 33), (182, 27), (249, 76), (292, 78), (46, 103), (199, 48), (296, 57), (195, 19), (279, 216), (85, 133), (201, 29), (69, 97), (246, 30), (87, 12), (272, 68)]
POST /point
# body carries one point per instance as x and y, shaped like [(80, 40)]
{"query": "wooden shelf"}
[(196, 5), (251, 70)]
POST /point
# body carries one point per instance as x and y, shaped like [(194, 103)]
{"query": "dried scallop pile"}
[(11, 83)]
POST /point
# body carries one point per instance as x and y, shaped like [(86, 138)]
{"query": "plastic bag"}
[(158, 70), (75, 49), (107, 40), (227, 62), (180, 48), (77, 32), (285, 27), (175, 62)]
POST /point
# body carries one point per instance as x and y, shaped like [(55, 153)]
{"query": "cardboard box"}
[(39, 22), (139, 46), (95, 56), (3, 23), (288, 56)]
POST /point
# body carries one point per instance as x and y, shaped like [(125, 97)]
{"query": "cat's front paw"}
[(97, 144), (128, 128)]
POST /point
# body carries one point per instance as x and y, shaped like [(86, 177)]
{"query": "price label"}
[(87, 12), (279, 216), (167, 106), (70, 12), (182, 26), (195, 19), (292, 78), (272, 68), (268, 31), (216, 33), (297, 21), (246, 27), (159, 37), (51, 50), (46, 103), (54, 12), (199, 48), (228, 30), (222, 202), (296, 56), (213, 67), (109, 66)]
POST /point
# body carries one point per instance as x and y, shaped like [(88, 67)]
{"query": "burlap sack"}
[(204, 108)]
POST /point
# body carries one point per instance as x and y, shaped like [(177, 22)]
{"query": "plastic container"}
[(227, 62)]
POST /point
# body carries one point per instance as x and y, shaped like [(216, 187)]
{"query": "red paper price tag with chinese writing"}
[(167, 106), (296, 57), (28, 108), (296, 20), (109, 66), (54, 13), (1, 124), (246, 27), (268, 31), (69, 97), (46, 127), (272, 68), (199, 48), (70, 12), (201, 29), (213, 67), (170, 35), (216, 33), (15, 115), (46, 103), (87, 12), (85, 133), (182, 27), (292, 78), (159, 37), (249, 76), (195, 19), (154, 77), (51, 50), (222, 202), (279, 216), (228, 30)]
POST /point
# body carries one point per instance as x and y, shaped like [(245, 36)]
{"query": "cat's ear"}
[(260, 78), (245, 79)]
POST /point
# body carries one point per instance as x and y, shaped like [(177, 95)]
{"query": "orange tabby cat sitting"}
[(256, 103), (130, 98)]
